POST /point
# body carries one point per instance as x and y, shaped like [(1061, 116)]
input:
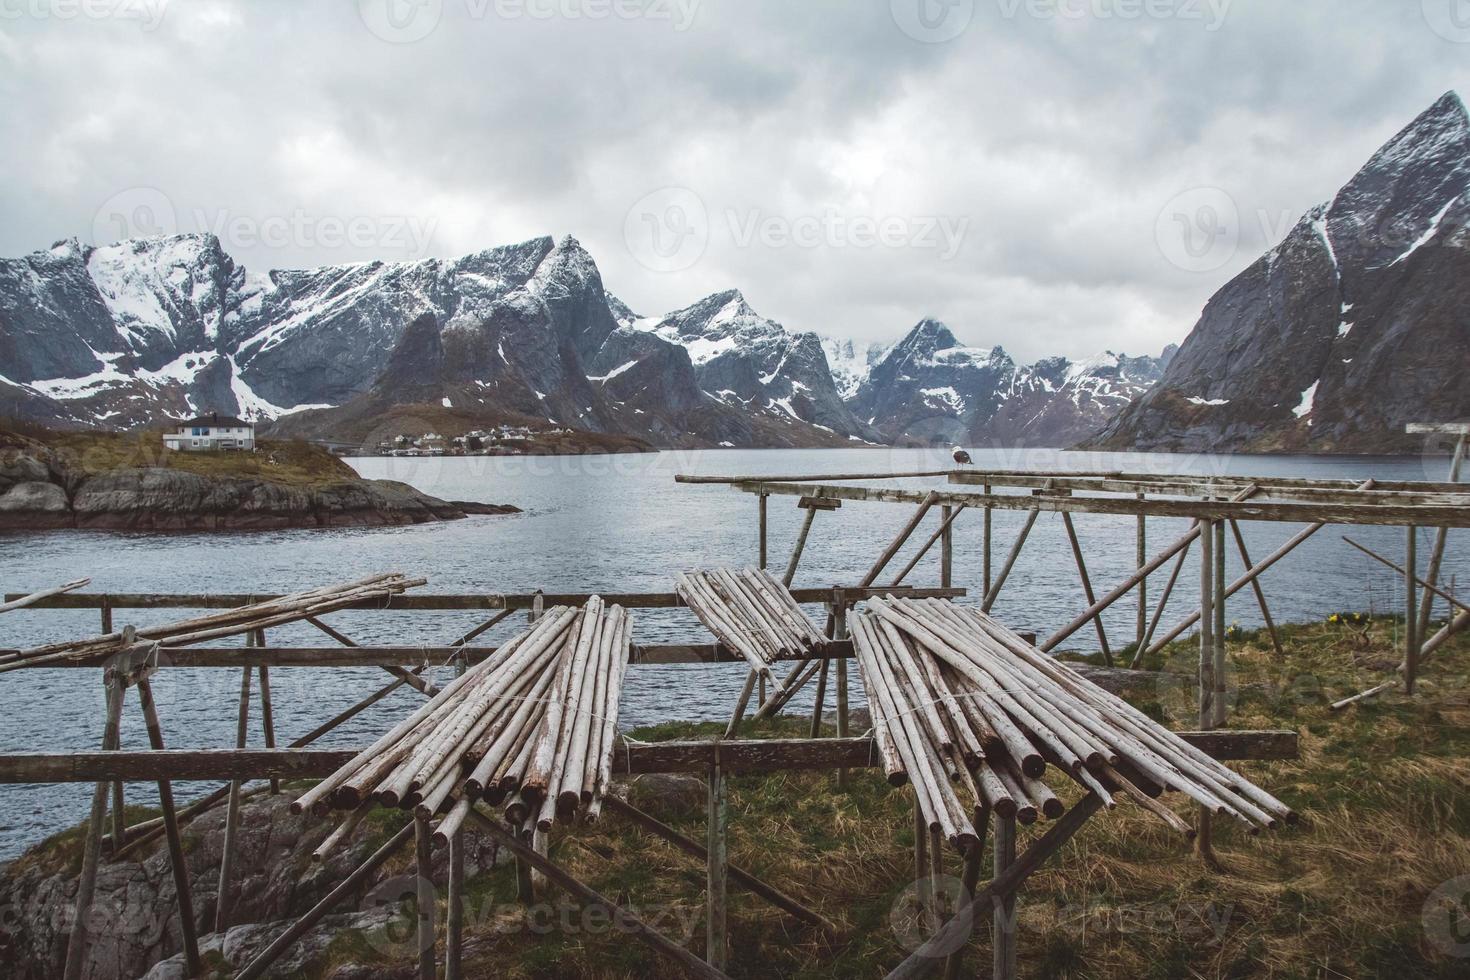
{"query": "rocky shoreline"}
[(43, 491)]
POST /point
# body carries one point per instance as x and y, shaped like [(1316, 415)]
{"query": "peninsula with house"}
[(206, 473)]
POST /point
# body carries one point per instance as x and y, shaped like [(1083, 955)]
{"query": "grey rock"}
[(1350, 328), (34, 498)]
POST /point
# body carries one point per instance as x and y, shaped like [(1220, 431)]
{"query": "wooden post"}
[(423, 837), (267, 720), (538, 604), (525, 880), (454, 934), (717, 872), (969, 879), (839, 632), (176, 859), (1003, 941), (1140, 558), (1163, 604), (806, 527), (820, 701), (985, 547), (119, 799), (1245, 557), (902, 536), (946, 549), (993, 592), (76, 947), (1203, 843), (921, 854), (764, 498), (1218, 699), (232, 813), (1102, 634), (1411, 611), (1436, 556)]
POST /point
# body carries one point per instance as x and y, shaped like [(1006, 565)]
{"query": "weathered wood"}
[(232, 815), (1140, 553), (819, 503), (76, 947), (1452, 600), (1411, 610), (1306, 490), (993, 593), (1438, 428), (629, 758), (717, 946), (256, 968), (1102, 634), (985, 544), (1003, 928), (20, 602), (423, 837), (942, 533), (1452, 511), (806, 529), (624, 919), (1245, 558), (741, 877), (969, 879), (267, 718), (764, 529), (177, 863), (1218, 700), (1441, 537), (925, 501), (1204, 843), (691, 478)]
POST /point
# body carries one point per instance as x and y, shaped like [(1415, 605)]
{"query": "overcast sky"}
[(1026, 170)]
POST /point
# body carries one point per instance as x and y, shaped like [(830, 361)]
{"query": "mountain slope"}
[(930, 389), (1356, 324)]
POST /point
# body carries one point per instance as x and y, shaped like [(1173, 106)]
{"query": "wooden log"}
[(225, 895), (424, 886), (622, 917), (1245, 559), (1003, 934), (806, 528), (76, 947), (178, 865), (1102, 634), (993, 592), (40, 596), (902, 536), (256, 968), (716, 946), (940, 533)]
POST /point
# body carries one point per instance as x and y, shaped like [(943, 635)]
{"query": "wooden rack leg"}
[(257, 967), (423, 836), (1411, 610), (232, 813), (76, 947), (899, 539), (1203, 842), (821, 699), (946, 548), (454, 935), (806, 529), (1218, 699), (969, 879), (1245, 557), (525, 881), (764, 498), (624, 918), (1163, 604), (993, 592), (1141, 557), (742, 702), (921, 855), (1102, 634), (177, 863), (1436, 556), (736, 874), (1003, 934), (119, 799), (716, 873), (267, 720), (839, 631), (985, 545)]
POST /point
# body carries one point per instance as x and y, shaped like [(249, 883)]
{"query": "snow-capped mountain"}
[(141, 331), (931, 389), (1356, 324)]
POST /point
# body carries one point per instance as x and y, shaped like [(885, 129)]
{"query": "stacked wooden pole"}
[(229, 622), (961, 701), (533, 727), (752, 613)]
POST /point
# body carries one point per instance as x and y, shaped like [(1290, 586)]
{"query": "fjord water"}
[(615, 524)]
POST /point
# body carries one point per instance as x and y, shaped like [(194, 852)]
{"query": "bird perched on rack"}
[(961, 457)]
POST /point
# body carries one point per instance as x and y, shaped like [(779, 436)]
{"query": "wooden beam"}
[(1453, 512), (717, 944), (1283, 488), (630, 758)]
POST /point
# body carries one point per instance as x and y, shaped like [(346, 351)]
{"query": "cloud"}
[(826, 148)]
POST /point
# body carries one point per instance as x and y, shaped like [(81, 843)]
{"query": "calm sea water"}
[(618, 524)]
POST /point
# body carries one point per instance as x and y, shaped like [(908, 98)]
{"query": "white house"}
[(211, 432)]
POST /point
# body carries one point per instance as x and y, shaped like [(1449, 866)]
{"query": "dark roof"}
[(216, 419)]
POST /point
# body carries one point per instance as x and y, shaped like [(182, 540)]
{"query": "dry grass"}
[(294, 463), (1381, 788)]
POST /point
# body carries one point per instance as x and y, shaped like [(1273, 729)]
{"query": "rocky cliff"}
[(46, 486), (1356, 324), (931, 389)]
